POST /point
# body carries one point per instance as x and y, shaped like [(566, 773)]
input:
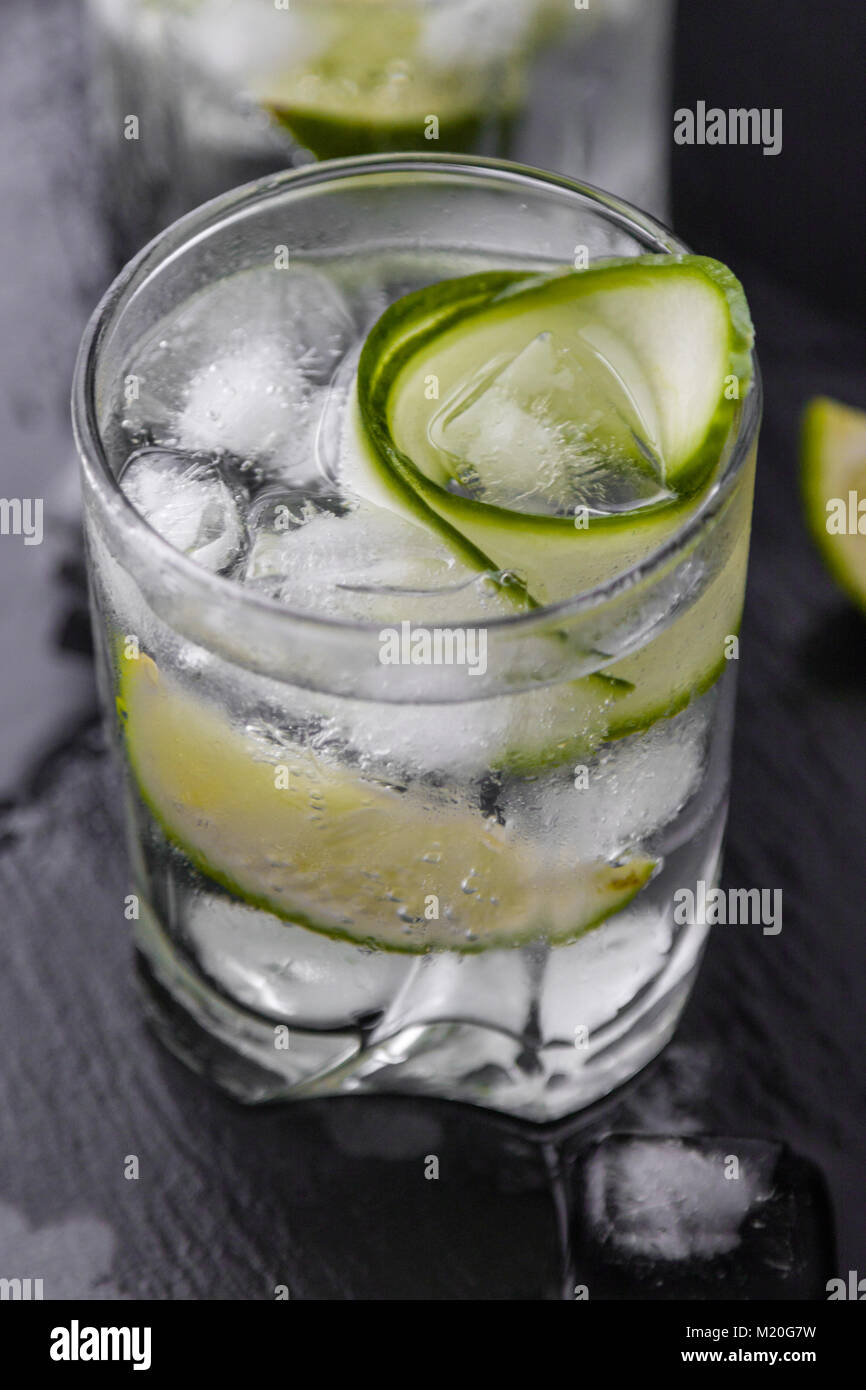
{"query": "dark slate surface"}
[(330, 1198)]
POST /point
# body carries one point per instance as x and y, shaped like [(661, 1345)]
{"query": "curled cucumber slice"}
[(508, 407), (558, 429)]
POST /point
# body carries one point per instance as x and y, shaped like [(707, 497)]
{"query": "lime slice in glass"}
[(292, 831)]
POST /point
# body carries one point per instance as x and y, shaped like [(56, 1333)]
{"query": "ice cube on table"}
[(186, 498), (672, 1200), (242, 368), (700, 1217), (549, 429)]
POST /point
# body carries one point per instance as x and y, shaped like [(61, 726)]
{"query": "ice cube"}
[(588, 982), (672, 1200), (187, 499), (241, 368), (698, 1217), (291, 972), (547, 430), (245, 39), (242, 405), (351, 559), (402, 742), (475, 32), (634, 788), (331, 439), (339, 556), (493, 987)]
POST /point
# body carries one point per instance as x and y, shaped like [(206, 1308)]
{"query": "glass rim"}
[(200, 221)]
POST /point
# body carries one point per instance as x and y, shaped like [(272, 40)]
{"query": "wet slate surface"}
[(330, 1198)]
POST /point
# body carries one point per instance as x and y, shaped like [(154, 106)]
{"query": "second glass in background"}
[(193, 97)]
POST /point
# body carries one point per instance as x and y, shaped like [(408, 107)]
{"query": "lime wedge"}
[(833, 452), (359, 132), (289, 830), (370, 85)]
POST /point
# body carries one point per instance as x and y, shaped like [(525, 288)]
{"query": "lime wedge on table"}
[(834, 484), (559, 428), (290, 831)]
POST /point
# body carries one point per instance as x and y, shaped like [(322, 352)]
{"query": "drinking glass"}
[(300, 815), (193, 97)]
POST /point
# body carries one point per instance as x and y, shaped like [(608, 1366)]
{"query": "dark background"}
[(329, 1197)]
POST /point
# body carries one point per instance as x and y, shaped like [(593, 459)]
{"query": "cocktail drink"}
[(196, 96), (418, 496)]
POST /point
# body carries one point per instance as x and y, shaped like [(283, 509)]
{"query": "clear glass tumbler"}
[(295, 806), (193, 97)]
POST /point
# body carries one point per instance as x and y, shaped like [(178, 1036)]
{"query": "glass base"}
[(256, 1059)]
